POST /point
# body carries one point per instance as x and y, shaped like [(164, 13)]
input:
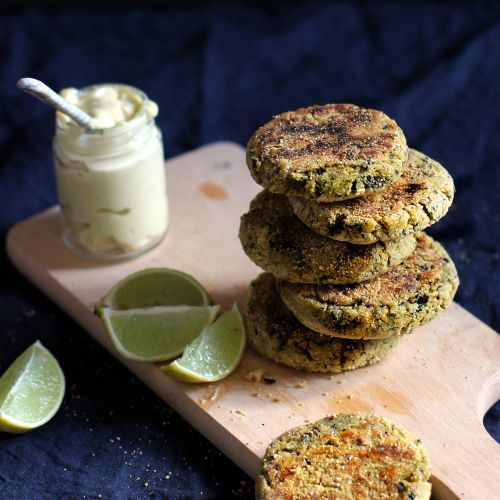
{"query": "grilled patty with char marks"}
[(274, 332), (345, 456), (327, 153), (277, 241), (395, 303), (421, 196)]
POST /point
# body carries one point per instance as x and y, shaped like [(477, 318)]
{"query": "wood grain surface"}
[(438, 383)]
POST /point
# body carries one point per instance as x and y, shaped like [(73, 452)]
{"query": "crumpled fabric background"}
[(218, 72)]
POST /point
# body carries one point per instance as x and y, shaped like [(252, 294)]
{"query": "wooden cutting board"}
[(438, 383)]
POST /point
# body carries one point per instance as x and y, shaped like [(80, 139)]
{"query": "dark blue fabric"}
[(217, 72)]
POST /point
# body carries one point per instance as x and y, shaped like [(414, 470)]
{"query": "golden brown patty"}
[(396, 302), (327, 153), (276, 240), (345, 456), (417, 200), (274, 332)]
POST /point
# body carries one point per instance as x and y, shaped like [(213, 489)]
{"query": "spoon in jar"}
[(39, 90)]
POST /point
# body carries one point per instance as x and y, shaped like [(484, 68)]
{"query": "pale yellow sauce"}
[(111, 180)]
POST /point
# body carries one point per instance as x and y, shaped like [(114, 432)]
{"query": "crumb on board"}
[(209, 395), (239, 411), (301, 384), (268, 380), (276, 398), (256, 375), (335, 377)]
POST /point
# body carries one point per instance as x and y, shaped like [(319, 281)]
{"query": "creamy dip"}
[(111, 178)]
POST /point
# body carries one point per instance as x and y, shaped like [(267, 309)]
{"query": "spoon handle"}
[(39, 90)]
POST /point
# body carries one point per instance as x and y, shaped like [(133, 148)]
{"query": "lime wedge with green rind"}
[(31, 390), (214, 354), (155, 333), (156, 287)]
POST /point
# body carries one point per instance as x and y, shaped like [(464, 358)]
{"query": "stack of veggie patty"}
[(338, 232)]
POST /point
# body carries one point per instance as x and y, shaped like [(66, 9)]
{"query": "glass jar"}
[(111, 180)]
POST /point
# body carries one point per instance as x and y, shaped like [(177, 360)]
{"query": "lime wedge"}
[(31, 390), (155, 333), (214, 354), (156, 287)]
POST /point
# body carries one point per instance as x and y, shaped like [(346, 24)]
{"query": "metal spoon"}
[(39, 90)]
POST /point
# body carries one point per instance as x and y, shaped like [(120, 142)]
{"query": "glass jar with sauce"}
[(111, 178)]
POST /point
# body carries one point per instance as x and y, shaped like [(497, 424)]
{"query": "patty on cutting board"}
[(277, 241), (421, 196), (274, 332), (348, 456), (395, 303), (326, 153)]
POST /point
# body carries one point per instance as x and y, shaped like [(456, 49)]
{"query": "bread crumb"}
[(256, 375), (241, 412), (209, 395), (301, 384)]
